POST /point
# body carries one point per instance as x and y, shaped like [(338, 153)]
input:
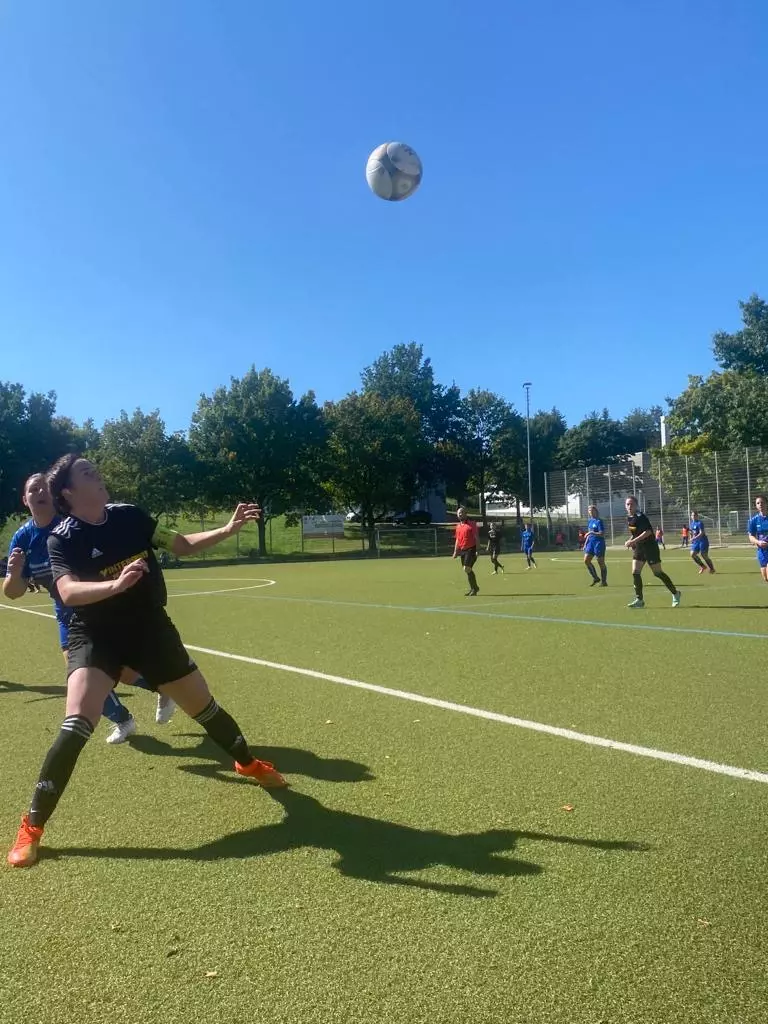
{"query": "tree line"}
[(400, 433)]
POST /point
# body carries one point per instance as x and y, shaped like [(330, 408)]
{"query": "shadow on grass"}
[(290, 760), (367, 849), (47, 691)]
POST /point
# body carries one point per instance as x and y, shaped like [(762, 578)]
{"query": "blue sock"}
[(115, 710)]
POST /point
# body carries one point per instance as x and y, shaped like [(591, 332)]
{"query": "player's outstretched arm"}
[(77, 593), (189, 543), (15, 584)]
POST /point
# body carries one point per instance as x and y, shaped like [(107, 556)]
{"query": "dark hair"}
[(31, 477), (58, 477), (694, 513), (763, 496)]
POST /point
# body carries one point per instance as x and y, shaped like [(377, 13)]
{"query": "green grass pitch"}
[(426, 865)]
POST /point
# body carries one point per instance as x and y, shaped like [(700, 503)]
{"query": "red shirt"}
[(466, 536)]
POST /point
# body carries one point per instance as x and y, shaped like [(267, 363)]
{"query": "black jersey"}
[(638, 524), (94, 554)]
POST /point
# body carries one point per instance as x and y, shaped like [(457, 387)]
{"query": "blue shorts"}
[(595, 546), (528, 551), (762, 557), (700, 545), (63, 635)]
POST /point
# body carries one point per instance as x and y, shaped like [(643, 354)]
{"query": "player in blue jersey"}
[(527, 540), (700, 544), (28, 562), (594, 547), (758, 533)]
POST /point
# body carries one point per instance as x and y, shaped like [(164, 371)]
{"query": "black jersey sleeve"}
[(60, 558)]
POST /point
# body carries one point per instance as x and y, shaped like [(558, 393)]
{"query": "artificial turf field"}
[(426, 864)]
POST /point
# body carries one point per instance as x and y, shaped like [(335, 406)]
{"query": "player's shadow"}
[(47, 691), (291, 760), (368, 849)]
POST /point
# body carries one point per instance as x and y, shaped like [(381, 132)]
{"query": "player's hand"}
[(130, 576), (760, 544), (246, 512), (16, 562), (629, 543)]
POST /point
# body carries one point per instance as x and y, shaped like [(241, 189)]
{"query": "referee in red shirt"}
[(465, 548)]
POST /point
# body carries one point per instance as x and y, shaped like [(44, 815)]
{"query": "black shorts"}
[(495, 549), (150, 646), (648, 552), (468, 557)]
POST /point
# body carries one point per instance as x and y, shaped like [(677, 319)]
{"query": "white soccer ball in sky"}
[(393, 171)]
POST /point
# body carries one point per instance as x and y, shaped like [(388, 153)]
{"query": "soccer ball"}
[(393, 171)]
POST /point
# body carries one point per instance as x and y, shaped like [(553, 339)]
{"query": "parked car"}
[(416, 518)]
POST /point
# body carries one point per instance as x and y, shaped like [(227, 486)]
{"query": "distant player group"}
[(644, 542)]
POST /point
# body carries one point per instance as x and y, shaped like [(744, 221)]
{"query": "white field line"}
[(521, 723), (512, 617)]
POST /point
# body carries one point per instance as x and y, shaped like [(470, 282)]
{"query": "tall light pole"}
[(527, 386)]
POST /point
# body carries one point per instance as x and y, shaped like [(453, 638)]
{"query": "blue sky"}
[(182, 194)]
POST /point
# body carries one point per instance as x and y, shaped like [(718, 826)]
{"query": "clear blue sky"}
[(182, 194)]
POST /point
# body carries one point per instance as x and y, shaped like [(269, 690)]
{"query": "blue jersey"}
[(526, 539), (697, 529), (595, 526), (33, 541), (758, 527)]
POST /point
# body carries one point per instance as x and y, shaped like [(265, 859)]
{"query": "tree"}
[(724, 410), (597, 440), (547, 428), (375, 448), (256, 442), (492, 432), (745, 350), (31, 438), (643, 428), (142, 463)]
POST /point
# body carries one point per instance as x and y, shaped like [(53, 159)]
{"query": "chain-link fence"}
[(720, 486)]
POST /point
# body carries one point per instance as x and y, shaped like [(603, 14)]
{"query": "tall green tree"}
[(375, 446), (723, 410), (142, 463), (745, 350), (31, 438), (258, 443), (596, 441), (491, 441)]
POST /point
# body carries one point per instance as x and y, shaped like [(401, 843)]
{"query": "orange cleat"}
[(265, 773), (23, 853)]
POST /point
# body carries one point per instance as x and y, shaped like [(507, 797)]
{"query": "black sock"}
[(637, 579), (224, 730), (708, 560), (604, 574), (472, 580), (698, 561), (591, 570), (667, 582), (533, 560), (57, 767)]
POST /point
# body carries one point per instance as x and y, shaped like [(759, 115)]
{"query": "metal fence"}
[(720, 486)]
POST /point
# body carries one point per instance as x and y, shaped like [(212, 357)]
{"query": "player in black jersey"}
[(494, 547), (644, 547), (104, 568)]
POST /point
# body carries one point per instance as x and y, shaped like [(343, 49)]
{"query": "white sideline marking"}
[(746, 774), (493, 716)]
